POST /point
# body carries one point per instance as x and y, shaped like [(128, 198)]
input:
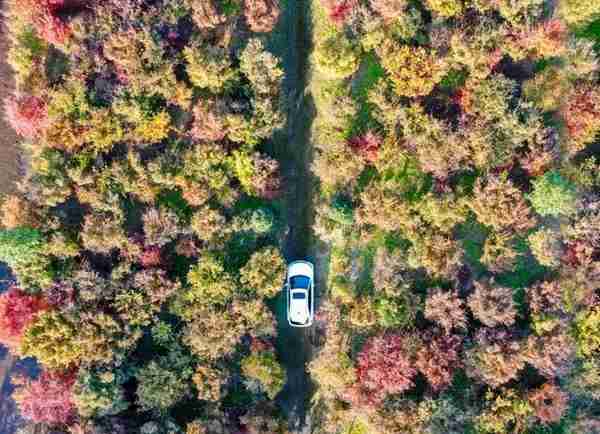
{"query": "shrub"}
[(414, 71), (17, 310), (264, 272), (47, 399), (549, 403), (27, 115), (384, 367), (263, 372), (446, 309), (553, 196), (261, 15), (493, 305)]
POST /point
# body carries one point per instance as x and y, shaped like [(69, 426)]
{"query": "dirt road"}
[(291, 42), (9, 169)]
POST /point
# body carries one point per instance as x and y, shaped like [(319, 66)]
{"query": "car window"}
[(299, 282), (298, 296)]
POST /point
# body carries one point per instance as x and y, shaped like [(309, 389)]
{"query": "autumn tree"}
[(264, 272), (414, 71), (384, 366), (492, 305), (496, 358), (446, 309), (261, 15), (262, 370), (48, 398), (549, 403), (17, 310), (499, 204), (438, 358)]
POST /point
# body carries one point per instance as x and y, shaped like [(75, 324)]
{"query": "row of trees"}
[(144, 237), (460, 198)]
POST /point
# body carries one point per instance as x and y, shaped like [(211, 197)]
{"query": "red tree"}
[(438, 359), (27, 115), (549, 403), (150, 257), (47, 399), (339, 10), (366, 145), (48, 18), (384, 367), (17, 310)]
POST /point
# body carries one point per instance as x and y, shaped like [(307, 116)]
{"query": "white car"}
[(300, 293)]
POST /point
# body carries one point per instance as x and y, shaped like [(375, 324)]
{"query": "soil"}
[(291, 42)]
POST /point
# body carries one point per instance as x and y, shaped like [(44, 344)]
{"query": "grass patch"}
[(591, 32), (369, 74)]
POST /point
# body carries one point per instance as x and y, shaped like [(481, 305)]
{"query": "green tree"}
[(553, 195), (22, 249), (160, 386), (99, 392), (264, 373)]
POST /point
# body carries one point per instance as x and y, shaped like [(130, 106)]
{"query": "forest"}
[(456, 196)]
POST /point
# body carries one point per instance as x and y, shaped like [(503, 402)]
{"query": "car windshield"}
[(299, 282), (299, 296)]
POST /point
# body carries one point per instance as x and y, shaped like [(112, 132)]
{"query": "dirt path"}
[(9, 168), (293, 148)]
